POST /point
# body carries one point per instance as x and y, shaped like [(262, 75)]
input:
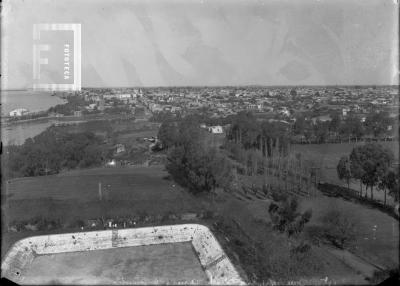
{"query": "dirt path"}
[(361, 266)]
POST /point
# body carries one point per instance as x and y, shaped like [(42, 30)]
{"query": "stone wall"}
[(214, 261)]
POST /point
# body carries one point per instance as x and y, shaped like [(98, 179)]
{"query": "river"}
[(18, 132), (28, 99)]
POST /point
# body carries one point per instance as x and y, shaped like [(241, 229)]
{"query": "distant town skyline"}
[(213, 43)]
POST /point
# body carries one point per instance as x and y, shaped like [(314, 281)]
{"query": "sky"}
[(203, 42)]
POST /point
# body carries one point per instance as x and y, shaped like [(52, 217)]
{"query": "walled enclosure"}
[(214, 261)]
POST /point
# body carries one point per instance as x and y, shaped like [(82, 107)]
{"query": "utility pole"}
[(100, 192)]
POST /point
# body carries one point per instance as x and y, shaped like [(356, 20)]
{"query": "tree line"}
[(371, 165), (191, 162), (74, 103), (55, 150), (264, 136), (376, 124)]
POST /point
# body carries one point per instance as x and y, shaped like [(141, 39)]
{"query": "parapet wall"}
[(214, 261)]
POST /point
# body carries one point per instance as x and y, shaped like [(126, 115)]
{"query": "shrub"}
[(300, 249), (268, 256), (381, 275), (208, 214), (279, 195), (286, 218), (265, 189), (339, 228)]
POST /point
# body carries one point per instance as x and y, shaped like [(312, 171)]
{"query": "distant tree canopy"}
[(377, 123), (118, 110), (168, 134), (265, 136), (351, 126), (371, 165), (163, 116), (74, 103), (301, 125), (343, 170), (335, 123), (321, 131), (54, 150), (190, 161), (390, 182)]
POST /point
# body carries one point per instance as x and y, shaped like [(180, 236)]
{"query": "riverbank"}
[(16, 133), (34, 101)]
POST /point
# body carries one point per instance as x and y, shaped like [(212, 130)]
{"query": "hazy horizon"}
[(206, 86), (215, 86), (166, 43)]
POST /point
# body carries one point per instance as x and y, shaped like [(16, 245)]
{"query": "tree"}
[(390, 182), (377, 123), (192, 163), (344, 171), (335, 123), (53, 150), (370, 163), (74, 103), (321, 131), (168, 134), (244, 130), (285, 216), (356, 168), (222, 171), (351, 127), (299, 125), (161, 116), (199, 169), (339, 228)]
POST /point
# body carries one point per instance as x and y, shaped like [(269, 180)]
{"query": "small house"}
[(18, 112), (216, 129)]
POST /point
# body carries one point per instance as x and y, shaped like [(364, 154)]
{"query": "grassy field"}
[(328, 155), (380, 246), (168, 263), (377, 247), (128, 190), (138, 190), (254, 220), (134, 191)]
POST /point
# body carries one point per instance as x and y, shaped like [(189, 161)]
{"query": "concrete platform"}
[(126, 265), (176, 254)]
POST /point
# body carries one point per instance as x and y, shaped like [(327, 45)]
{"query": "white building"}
[(216, 129), (119, 148), (345, 111), (124, 96), (18, 112)]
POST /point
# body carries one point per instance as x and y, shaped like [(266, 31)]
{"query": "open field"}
[(137, 190), (374, 249), (381, 246), (126, 191), (328, 155), (164, 263), (254, 220)]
